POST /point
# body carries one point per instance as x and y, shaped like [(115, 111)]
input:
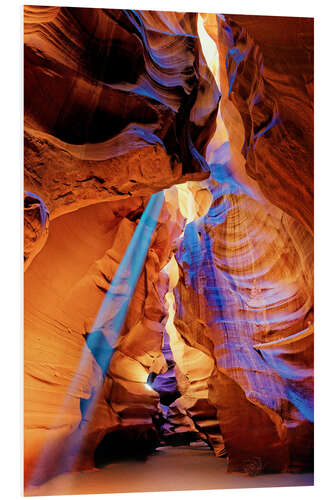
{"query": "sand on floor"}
[(170, 469)]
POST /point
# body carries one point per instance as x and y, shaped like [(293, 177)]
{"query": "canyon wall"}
[(246, 268), (108, 113), (123, 104)]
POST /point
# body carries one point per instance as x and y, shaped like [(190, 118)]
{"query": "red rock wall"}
[(64, 288), (119, 105), (245, 292), (273, 84)]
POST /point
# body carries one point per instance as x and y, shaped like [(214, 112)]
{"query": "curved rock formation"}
[(270, 72), (108, 113), (217, 343), (232, 296), (245, 280), (36, 224), (62, 301)]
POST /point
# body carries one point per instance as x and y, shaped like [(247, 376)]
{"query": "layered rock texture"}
[(217, 341)]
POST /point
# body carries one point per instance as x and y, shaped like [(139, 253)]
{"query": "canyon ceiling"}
[(191, 136)]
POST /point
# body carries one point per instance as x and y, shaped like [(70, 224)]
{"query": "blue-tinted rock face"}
[(166, 383), (242, 287)]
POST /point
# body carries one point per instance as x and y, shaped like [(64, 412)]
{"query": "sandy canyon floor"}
[(187, 467)]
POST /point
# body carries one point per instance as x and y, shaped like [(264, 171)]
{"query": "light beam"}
[(102, 341)]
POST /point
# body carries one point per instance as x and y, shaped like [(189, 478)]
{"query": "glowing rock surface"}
[(120, 105)]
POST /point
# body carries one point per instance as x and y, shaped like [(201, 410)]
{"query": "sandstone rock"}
[(60, 310), (270, 72), (36, 225), (243, 279), (107, 134), (217, 343)]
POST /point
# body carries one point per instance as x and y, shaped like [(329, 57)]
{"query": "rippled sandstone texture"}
[(61, 303), (270, 69), (245, 292), (230, 298), (109, 112), (122, 104)]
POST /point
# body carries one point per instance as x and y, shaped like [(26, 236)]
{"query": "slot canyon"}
[(168, 249)]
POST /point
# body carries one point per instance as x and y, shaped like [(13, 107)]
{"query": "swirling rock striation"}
[(119, 105), (242, 284), (270, 71)]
